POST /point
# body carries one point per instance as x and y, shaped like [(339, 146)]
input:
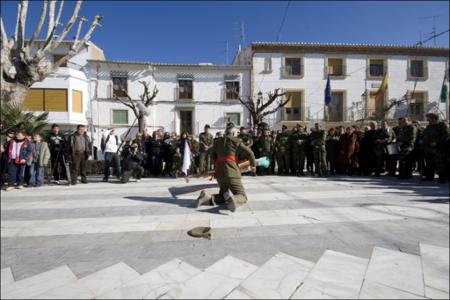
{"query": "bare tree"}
[(145, 99), (22, 60), (260, 109)]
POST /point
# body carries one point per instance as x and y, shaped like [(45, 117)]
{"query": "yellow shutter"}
[(77, 101), (56, 100), (34, 101), (295, 99)]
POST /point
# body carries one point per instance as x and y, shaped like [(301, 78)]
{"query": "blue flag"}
[(328, 92)]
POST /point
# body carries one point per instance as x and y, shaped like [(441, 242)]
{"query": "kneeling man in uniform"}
[(227, 171)]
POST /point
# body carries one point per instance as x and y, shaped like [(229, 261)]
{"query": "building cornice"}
[(378, 49), (173, 66)]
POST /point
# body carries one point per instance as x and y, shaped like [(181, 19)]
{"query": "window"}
[(77, 101), (120, 86), (119, 116), (234, 117), (335, 67), (53, 100), (185, 89), (417, 105), (57, 57), (293, 109), (267, 64), (232, 90), (293, 66), (336, 107), (417, 68), (376, 67)]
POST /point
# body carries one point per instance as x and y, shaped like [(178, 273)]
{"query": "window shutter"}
[(34, 101), (77, 101), (56, 100)]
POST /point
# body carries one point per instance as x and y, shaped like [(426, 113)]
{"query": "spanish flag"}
[(383, 88)]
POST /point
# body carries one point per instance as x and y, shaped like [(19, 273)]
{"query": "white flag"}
[(186, 158)]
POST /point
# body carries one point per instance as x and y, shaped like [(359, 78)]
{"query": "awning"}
[(231, 78), (185, 76), (188, 105)]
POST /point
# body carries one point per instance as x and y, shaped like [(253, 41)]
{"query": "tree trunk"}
[(141, 122), (13, 92)]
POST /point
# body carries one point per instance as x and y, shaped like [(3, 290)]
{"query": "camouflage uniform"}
[(298, 150), (434, 138), (406, 141), (387, 136), (265, 147), (320, 153), (247, 140), (206, 142), (283, 153)]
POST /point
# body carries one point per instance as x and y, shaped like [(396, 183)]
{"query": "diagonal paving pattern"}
[(296, 238)]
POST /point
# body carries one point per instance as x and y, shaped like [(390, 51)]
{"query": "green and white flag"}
[(444, 90)]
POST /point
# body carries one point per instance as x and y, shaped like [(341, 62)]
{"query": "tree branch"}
[(58, 16), (279, 105), (130, 104), (38, 28), (19, 8), (21, 29), (51, 19), (272, 97), (77, 35), (4, 40)]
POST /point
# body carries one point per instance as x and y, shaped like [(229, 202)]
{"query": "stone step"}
[(33, 286), (335, 275), (397, 270), (6, 276), (155, 283), (435, 263), (94, 284), (216, 282), (278, 278)]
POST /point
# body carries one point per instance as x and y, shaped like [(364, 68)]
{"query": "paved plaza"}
[(337, 237)]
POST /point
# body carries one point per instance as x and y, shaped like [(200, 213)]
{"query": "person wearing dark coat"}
[(349, 148), (332, 147), (367, 155)]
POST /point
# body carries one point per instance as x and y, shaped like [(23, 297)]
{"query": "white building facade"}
[(415, 77), (192, 95)]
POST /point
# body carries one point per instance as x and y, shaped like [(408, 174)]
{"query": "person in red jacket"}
[(17, 155)]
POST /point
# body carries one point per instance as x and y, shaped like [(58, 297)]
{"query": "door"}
[(186, 121)]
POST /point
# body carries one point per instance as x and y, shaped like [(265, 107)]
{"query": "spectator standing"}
[(332, 147), (79, 148), (57, 143), (110, 146), (38, 160), (206, 142), (348, 143), (406, 141), (18, 152)]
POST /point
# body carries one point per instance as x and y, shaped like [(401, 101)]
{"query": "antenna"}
[(242, 29), (433, 33)]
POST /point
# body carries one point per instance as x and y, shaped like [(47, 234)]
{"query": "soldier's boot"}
[(230, 200), (203, 199)]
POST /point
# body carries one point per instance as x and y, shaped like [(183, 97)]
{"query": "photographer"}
[(132, 161), (57, 143)]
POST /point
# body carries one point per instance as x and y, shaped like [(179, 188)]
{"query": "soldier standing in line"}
[(283, 151), (227, 171), (298, 150), (264, 146), (318, 142), (245, 138), (206, 142), (406, 141), (435, 138), (383, 136)]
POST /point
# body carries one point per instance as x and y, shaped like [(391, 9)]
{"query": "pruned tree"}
[(139, 107), (23, 60), (259, 109)]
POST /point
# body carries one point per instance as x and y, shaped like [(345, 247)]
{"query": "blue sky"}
[(193, 32)]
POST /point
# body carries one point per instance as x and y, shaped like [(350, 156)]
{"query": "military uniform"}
[(298, 151), (265, 147), (194, 145), (406, 142), (227, 173), (434, 138), (283, 153), (386, 136), (206, 142), (320, 153), (247, 140)]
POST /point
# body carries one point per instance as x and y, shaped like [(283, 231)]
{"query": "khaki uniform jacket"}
[(227, 147)]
